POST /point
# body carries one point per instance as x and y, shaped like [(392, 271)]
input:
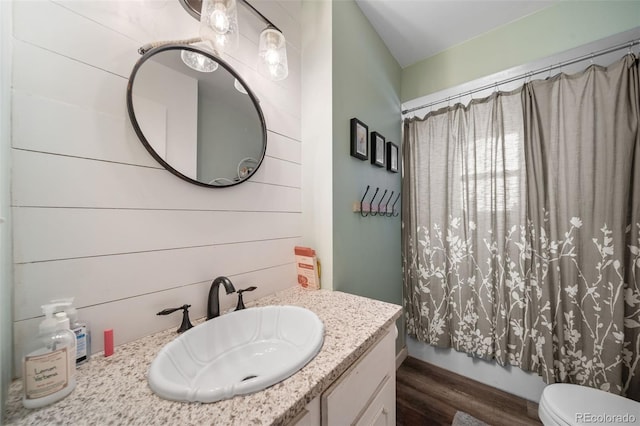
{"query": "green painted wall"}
[(366, 85), (563, 26)]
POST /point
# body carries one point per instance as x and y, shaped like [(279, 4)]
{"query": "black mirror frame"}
[(143, 139)]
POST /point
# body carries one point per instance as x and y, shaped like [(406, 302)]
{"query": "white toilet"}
[(563, 404)]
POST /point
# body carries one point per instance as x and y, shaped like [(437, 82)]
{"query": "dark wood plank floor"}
[(429, 395)]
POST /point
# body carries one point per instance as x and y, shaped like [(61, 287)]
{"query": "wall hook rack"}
[(381, 208)]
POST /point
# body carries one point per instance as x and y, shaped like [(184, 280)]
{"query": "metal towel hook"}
[(393, 207), (361, 203), (386, 206), (384, 194), (371, 202)]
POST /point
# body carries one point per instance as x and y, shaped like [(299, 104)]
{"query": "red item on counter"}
[(108, 342)]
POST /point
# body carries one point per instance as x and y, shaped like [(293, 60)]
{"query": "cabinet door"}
[(382, 410), (310, 416), (350, 396)]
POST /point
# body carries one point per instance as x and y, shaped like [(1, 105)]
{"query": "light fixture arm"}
[(260, 15), (147, 47)]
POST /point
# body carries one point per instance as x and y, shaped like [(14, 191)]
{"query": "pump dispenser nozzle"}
[(48, 310), (66, 303), (49, 324)]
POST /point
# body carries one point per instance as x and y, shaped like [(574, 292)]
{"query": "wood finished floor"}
[(428, 395)]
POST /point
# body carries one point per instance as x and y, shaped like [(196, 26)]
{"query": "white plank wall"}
[(95, 216)]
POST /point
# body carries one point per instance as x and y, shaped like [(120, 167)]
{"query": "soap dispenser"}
[(49, 371)]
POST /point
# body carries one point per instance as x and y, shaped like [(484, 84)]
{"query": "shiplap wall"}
[(95, 216)]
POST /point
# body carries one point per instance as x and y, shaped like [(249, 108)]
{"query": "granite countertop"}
[(114, 390)]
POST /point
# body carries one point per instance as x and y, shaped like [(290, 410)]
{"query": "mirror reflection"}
[(196, 116)]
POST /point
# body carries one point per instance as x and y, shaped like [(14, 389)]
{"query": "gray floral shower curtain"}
[(521, 228)]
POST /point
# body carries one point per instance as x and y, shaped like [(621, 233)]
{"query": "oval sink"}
[(237, 353)]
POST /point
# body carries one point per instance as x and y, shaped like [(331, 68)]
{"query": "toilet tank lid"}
[(577, 404)]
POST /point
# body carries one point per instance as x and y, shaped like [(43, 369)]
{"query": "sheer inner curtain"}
[(521, 228)]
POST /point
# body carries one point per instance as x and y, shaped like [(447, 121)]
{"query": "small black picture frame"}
[(377, 149), (392, 157), (359, 139)]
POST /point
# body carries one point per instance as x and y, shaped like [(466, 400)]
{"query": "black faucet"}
[(213, 307)]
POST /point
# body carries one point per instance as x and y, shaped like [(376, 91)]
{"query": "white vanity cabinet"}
[(365, 394)]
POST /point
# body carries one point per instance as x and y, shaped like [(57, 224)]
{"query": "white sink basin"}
[(237, 353)]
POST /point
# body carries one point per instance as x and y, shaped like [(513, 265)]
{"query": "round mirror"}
[(196, 116)]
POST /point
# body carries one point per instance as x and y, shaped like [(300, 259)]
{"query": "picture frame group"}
[(380, 151)]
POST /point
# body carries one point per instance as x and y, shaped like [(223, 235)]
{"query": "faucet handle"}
[(240, 304), (186, 323)]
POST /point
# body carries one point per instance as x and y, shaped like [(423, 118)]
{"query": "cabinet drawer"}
[(350, 395)]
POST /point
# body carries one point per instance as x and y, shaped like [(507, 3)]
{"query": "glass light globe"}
[(198, 62), (272, 52), (219, 20), (219, 24)]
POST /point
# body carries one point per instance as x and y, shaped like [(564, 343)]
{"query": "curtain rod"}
[(592, 55)]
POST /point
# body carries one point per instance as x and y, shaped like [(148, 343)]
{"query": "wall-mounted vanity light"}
[(219, 26)]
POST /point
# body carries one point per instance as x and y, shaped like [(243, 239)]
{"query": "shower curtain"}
[(521, 228)]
